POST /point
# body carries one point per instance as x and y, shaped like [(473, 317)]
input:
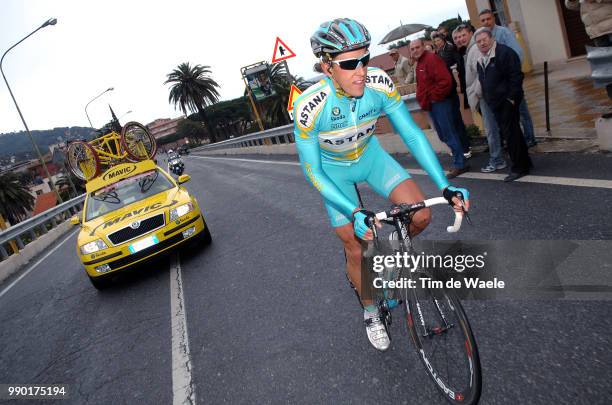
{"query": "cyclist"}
[(334, 128)]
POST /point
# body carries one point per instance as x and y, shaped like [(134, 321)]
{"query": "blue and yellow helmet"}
[(339, 35)]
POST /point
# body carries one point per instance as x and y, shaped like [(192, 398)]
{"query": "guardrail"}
[(53, 217), (280, 135), (600, 59)]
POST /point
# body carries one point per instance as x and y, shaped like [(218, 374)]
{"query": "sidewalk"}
[(574, 103)]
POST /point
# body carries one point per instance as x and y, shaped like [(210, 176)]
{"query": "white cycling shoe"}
[(375, 329)]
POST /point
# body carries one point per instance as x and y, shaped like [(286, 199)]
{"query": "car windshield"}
[(126, 192)]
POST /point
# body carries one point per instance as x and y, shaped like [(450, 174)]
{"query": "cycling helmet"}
[(339, 35)]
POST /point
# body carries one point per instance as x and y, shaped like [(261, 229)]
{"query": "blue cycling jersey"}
[(332, 128)]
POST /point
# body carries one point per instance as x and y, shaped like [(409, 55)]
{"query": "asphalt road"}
[(271, 319)]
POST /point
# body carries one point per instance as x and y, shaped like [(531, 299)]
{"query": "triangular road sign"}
[(293, 95), (281, 51)]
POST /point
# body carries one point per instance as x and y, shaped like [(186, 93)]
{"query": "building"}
[(549, 30), (164, 127), (44, 202)]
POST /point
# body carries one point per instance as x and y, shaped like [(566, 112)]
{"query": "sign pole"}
[(291, 79), (261, 127)]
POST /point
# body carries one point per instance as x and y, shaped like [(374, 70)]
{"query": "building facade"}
[(549, 31), (164, 127)]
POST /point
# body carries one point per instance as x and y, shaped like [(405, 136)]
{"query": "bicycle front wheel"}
[(83, 160), (443, 338), (137, 142)]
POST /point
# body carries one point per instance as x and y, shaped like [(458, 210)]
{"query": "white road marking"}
[(183, 387), (559, 181), (36, 264)]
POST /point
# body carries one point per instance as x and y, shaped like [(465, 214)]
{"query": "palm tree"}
[(193, 89), (15, 199), (275, 108)]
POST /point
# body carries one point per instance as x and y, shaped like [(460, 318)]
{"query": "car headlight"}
[(94, 246), (181, 210)]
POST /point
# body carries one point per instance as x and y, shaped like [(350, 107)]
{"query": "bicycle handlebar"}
[(404, 209)]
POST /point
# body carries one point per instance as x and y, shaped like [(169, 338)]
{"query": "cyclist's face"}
[(352, 82)]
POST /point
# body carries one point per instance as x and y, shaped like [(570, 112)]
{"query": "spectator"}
[(504, 36), (467, 47), (501, 78), (597, 18), (434, 85), (404, 69), (454, 64), (443, 32)]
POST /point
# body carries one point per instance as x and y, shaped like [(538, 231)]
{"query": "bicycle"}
[(89, 159), (434, 316)]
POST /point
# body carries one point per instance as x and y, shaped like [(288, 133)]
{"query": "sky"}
[(131, 45)]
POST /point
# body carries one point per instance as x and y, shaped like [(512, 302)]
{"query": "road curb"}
[(18, 261)]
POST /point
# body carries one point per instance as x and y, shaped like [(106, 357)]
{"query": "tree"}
[(451, 24), (233, 117), (399, 44), (15, 199), (193, 89), (275, 108), (191, 130)]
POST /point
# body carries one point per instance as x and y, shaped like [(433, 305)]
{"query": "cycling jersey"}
[(333, 130)]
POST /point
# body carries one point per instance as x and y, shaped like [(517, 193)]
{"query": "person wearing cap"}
[(404, 69)]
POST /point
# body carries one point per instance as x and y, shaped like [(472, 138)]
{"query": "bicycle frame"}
[(108, 148)]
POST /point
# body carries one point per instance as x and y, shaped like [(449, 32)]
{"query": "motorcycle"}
[(175, 165)]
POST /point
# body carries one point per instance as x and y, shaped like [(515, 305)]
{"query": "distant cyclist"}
[(335, 120)]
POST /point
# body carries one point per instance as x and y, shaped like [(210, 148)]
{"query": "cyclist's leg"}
[(345, 177), (408, 192), (389, 179), (352, 248)]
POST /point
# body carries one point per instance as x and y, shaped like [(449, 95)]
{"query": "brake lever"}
[(466, 214)]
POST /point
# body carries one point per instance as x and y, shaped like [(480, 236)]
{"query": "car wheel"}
[(100, 282)]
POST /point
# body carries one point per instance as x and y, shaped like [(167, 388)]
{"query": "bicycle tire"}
[(470, 392), (75, 165), (128, 144)]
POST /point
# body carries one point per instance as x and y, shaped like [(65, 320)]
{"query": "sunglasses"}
[(353, 63)]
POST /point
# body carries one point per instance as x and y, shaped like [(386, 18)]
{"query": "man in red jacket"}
[(434, 84)]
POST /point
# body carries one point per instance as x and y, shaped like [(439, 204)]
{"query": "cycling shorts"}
[(375, 167)]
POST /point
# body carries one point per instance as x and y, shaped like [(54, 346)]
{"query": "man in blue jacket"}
[(501, 79)]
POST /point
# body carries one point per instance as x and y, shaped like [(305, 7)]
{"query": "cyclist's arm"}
[(310, 157), (410, 133), (419, 146)]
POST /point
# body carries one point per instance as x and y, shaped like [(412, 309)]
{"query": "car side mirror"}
[(75, 220), (184, 178)]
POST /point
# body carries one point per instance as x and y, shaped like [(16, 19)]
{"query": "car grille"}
[(128, 233)]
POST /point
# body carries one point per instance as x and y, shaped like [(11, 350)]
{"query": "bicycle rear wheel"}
[(83, 160), (138, 142), (443, 339)]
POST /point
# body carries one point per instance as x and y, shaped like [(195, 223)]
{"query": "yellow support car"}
[(132, 212)]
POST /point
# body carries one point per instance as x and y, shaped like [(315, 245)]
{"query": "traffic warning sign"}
[(293, 95), (281, 51)]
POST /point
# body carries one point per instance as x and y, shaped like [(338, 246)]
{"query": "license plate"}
[(143, 244)]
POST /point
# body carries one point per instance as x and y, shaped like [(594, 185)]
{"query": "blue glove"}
[(450, 192), (360, 222)]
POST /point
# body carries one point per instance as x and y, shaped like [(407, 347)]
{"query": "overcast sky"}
[(132, 45)]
